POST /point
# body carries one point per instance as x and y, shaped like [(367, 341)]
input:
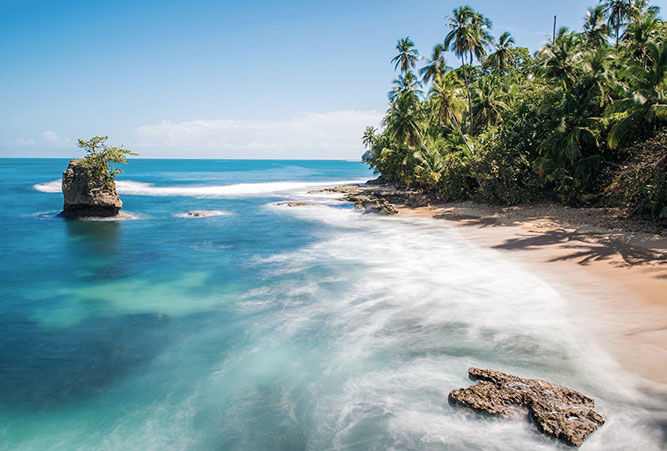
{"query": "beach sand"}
[(612, 271)]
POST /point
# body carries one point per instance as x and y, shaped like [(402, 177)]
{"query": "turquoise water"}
[(268, 327)]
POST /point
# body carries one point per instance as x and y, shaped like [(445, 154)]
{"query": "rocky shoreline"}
[(377, 196)]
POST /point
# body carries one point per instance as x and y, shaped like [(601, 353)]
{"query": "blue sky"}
[(221, 79)]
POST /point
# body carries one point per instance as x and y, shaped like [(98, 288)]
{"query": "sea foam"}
[(129, 187)]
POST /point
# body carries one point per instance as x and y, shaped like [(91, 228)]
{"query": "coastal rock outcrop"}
[(557, 411), (341, 189), (86, 195), (377, 181), (378, 196), (372, 204)]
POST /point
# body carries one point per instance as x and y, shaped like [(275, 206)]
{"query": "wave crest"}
[(132, 188)]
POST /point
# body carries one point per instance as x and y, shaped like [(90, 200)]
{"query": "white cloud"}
[(311, 135), (47, 139), (20, 142), (51, 138)]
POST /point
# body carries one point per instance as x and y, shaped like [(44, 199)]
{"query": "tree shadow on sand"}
[(471, 220), (587, 248)]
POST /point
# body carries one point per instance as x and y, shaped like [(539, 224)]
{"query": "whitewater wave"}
[(409, 304), (124, 216), (49, 187), (132, 188)]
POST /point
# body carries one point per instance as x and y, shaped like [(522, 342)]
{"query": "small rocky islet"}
[(88, 196)]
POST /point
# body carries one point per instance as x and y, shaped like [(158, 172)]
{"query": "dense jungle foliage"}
[(580, 121)]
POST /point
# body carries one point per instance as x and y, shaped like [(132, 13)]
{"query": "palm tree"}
[(618, 12), (430, 161), (403, 121), (406, 84), (503, 53), (648, 104), (599, 80), (436, 67), (643, 7), (489, 102), (561, 60), (460, 41), (595, 29), (640, 33), (447, 104), (570, 148), (468, 37), (370, 137), (407, 55), (480, 26)]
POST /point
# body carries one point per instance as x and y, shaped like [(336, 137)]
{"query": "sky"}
[(222, 79)]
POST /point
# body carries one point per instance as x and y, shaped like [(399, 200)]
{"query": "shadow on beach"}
[(589, 247), (617, 247)]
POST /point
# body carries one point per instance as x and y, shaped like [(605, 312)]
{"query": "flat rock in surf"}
[(557, 411), (293, 204), (204, 213), (345, 189)]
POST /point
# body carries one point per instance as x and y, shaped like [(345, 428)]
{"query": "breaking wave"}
[(236, 190)]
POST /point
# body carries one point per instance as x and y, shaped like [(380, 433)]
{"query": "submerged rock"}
[(293, 204), (344, 189), (86, 195), (204, 213), (557, 411)]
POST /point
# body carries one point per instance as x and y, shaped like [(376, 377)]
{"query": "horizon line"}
[(194, 158)]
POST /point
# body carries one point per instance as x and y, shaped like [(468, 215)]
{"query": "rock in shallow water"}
[(204, 213), (88, 196), (557, 411), (293, 204), (371, 204)]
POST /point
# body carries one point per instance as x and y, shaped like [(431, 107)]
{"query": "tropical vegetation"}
[(102, 159), (566, 123)]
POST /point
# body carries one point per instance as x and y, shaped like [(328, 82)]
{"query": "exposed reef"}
[(557, 411)]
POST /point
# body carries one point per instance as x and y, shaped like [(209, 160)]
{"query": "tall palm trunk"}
[(463, 137), (467, 82), (469, 97)]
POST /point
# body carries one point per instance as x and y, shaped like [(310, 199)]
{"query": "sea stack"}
[(86, 195)]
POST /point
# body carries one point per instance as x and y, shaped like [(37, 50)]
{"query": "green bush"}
[(640, 186), (101, 158), (457, 181)]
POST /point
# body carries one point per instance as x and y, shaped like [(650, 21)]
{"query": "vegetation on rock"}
[(566, 123), (101, 159)]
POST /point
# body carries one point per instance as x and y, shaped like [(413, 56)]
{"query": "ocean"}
[(269, 327)]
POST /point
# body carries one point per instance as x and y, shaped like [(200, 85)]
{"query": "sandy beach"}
[(612, 270)]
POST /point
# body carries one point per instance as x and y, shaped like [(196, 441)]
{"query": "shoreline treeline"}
[(565, 124)]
